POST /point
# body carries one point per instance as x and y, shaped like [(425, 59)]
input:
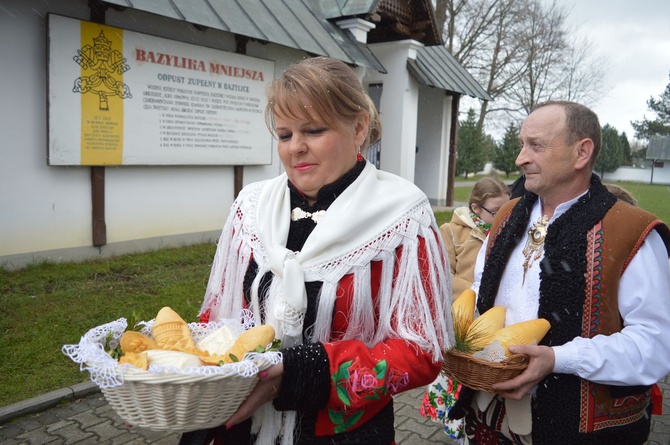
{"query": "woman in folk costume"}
[(343, 260), (463, 236)]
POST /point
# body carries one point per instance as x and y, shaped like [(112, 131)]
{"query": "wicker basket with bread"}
[(481, 356), (169, 375)]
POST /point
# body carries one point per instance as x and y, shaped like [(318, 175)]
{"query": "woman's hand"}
[(265, 391), (541, 364)]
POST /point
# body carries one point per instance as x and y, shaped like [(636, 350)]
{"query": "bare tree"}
[(481, 36), (558, 66), (521, 52), (469, 28), (544, 44), (585, 73), (504, 68), (441, 11)]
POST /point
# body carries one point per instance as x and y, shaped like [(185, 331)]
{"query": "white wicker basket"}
[(178, 402), (165, 398)]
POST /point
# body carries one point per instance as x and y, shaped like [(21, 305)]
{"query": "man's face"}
[(545, 158)]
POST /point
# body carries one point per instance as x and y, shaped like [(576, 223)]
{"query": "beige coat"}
[(463, 240)]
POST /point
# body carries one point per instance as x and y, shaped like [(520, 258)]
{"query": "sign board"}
[(118, 97)]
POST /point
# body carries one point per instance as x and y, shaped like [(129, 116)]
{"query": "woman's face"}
[(316, 154), (489, 208)]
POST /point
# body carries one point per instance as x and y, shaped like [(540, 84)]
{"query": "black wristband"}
[(306, 381)]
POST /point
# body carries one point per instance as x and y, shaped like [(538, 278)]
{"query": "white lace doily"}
[(106, 372), (493, 352)]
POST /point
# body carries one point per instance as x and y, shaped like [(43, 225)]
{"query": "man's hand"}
[(265, 391), (540, 365)]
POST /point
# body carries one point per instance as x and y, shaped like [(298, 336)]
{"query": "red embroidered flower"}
[(396, 382), (362, 382)]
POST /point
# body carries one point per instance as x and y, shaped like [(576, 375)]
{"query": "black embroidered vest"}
[(578, 259)]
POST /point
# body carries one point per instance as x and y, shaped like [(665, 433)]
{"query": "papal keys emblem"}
[(104, 63)]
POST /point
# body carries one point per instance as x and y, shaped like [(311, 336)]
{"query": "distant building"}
[(656, 170), (658, 152)]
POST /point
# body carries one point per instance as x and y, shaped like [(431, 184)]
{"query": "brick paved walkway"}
[(90, 420)]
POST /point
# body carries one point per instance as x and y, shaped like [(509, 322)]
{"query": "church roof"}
[(309, 25), (291, 23), (436, 67)]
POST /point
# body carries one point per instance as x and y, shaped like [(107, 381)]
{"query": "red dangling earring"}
[(359, 156)]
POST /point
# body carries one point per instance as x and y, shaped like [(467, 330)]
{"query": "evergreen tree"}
[(660, 126), (611, 152), (642, 154), (489, 147), (638, 153), (507, 151), (625, 147), (470, 153)]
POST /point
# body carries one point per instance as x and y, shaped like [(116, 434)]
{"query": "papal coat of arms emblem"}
[(104, 63)]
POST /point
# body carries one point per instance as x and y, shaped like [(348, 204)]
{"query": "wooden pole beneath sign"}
[(98, 202), (238, 181), (98, 223)]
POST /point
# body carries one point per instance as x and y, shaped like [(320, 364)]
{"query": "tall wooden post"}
[(240, 48), (453, 144), (98, 206), (99, 226)]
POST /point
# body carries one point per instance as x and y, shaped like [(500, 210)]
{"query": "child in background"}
[(464, 234), (463, 237)]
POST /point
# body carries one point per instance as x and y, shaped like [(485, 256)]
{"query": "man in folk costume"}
[(597, 269)]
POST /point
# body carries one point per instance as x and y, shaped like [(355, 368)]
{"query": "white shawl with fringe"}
[(376, 214)]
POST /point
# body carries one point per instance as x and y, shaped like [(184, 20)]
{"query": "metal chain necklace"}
[(534, 244)]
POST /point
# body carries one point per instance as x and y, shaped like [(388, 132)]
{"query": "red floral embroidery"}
[(354, 383), (363, 382), (396, 382)]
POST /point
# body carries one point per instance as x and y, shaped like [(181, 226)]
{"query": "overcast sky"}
[(634, 36)]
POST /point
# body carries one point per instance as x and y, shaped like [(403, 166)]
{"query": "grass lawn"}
[(45, 306), (475, 178), (653, 198), (443, 217)]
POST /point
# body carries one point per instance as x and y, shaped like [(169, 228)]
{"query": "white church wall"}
[(432, 154), (399, 107), (47, 211)]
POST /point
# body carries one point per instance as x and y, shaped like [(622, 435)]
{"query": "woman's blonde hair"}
[(324, 91), (485, 188)]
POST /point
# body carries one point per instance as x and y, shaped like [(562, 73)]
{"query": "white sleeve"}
[(479, 266), (640, 353)]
